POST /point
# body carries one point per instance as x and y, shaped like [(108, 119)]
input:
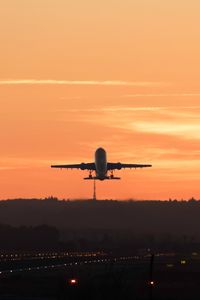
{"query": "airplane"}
[(101, 167)]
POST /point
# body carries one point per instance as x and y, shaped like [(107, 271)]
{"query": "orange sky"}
[(121, 74)]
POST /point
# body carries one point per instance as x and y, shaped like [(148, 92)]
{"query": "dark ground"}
[(106, 277), (117, 235)]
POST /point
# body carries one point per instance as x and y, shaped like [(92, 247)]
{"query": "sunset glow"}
[(78, 75)]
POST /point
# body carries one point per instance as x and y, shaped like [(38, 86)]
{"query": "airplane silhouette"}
[(101, 167)]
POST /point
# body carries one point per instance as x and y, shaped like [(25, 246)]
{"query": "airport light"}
[(170, 265), (183, 262), (73, 281), (151, 283)]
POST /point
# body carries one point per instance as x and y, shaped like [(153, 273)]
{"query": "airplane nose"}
[(100, 150)]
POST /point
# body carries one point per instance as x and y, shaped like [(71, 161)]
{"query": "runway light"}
[(151, 283), (73, 281), (183, 262)]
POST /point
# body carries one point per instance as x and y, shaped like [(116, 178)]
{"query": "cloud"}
[(130, 109), (165, 109), (182, 122), (77, 82), (177, 164), (110, 109), (162, 95), (168, 128)]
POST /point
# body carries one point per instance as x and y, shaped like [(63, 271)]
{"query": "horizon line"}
[(51, 198)]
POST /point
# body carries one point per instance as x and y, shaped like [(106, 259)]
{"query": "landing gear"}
[(90, 174), (111, 175)]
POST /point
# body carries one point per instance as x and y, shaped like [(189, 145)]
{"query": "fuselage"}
[(101, 163)]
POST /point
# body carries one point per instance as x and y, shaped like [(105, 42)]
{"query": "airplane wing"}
[(82, 166), (119, 166)]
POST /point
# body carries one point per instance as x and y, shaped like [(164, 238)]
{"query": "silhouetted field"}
[(138, 216), (118, 226)]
